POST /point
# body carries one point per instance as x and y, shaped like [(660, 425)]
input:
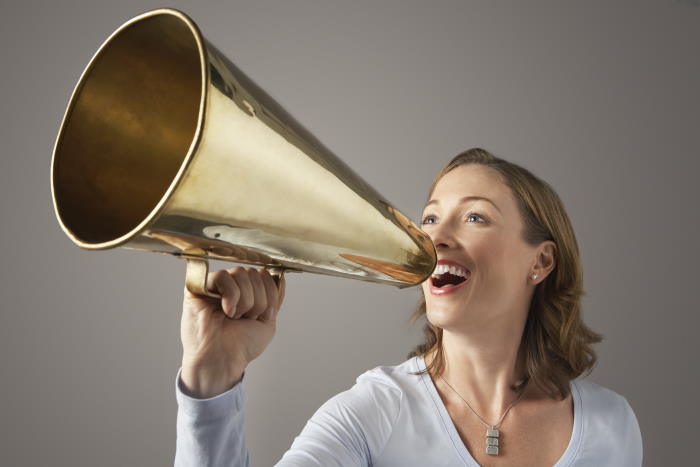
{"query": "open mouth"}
[(447, 279), (446, 276)]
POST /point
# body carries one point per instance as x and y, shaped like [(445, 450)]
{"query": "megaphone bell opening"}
[(128, 129)]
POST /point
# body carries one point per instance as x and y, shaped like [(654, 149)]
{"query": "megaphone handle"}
[(276, 272), (196, 277), (198, 269)]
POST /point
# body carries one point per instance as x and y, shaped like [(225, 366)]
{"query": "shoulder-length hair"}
[(556, 344)]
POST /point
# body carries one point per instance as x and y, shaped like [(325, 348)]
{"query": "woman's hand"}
[(220, 337)]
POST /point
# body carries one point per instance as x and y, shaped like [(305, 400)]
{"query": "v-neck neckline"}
[(565, 460)]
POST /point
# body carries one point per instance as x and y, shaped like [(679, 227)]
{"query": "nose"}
[(441, 235)]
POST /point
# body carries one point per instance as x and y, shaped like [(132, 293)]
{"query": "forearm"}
[(211, 432)]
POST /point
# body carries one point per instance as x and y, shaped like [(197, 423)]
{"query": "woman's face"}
[(482, 238)]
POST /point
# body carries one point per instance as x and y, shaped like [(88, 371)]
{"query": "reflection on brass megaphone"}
[(166, 146)]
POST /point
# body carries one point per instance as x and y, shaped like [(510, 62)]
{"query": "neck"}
[(483, 366)]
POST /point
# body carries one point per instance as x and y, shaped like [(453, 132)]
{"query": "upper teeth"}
[(456, 270)]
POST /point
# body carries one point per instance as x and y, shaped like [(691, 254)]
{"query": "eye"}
[(426, 220), (473, 214), (430, 219)]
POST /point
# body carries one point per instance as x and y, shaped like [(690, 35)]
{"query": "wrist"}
[(203, 382)]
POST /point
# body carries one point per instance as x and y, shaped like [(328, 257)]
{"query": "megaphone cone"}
[(167, 146)]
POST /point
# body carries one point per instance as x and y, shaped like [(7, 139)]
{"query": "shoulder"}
[(377, 397), (603, 402), (609, 420), (380, 389), (390, 376)]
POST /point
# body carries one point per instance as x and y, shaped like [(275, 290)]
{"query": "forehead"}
[(472, 180)]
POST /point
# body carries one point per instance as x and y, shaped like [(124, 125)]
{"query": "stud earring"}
[(534, 276)]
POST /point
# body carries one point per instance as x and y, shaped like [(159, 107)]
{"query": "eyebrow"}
[(465, 199)]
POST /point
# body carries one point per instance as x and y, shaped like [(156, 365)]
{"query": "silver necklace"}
[(492, 432)]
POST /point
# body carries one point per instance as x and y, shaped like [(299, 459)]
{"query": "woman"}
[(498, 381)]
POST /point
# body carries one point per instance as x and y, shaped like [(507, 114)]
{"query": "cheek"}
[(511, 261), (495, 258), (486, 250)]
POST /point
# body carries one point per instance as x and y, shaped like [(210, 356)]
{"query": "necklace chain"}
[(482, 420)]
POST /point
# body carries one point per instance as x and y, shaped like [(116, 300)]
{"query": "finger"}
[(224, 285), (230, 296), (246, 300), (271, 291), (260, 303)]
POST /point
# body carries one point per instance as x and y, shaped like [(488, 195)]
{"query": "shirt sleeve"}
[(349, 430), (211, 432)]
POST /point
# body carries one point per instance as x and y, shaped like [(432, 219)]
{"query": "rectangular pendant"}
[(492, 436)]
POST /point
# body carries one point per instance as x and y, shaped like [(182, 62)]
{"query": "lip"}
[(448, 289)]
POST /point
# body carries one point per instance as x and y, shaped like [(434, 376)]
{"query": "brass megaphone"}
[(166, 146)]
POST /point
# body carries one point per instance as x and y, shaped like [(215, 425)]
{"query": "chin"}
[(444, 316), (443, 312)]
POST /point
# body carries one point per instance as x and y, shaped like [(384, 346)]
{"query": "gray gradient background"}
[(599, 98)]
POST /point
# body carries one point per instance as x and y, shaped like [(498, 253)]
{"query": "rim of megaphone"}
[(196, 139)]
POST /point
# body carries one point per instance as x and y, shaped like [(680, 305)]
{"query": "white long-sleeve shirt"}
[(392, 418)]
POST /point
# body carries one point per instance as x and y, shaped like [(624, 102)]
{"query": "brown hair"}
[(556, 344)]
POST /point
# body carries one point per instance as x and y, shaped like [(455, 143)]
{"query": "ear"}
[(545, 259)]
